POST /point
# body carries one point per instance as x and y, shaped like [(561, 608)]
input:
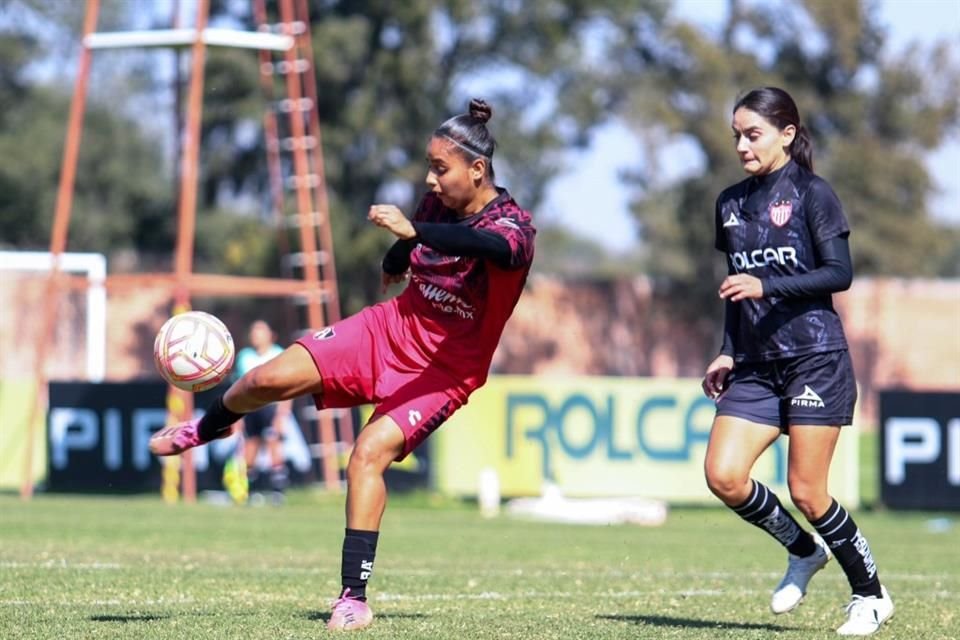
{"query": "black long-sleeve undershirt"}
[(449, 239), (833, 275), (731, 324)]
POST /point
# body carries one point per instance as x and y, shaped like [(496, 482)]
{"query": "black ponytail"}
[(801, 149), (778, 108), (468, 131)]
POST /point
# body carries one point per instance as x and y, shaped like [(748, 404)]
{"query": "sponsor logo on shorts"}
[(413, 417), (808, 398), (324, 334)]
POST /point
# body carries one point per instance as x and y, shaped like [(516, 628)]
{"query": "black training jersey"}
[(771, 226)]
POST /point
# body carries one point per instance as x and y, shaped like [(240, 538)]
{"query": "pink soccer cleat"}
[(177, 439), (349, 614)]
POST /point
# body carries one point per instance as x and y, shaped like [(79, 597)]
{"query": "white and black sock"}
[(842, 535), (763, 509)]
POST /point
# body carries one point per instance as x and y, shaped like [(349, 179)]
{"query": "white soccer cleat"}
[(789, 593), (866, 614)]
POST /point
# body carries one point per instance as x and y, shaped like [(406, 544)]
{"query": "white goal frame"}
[(94, 266)]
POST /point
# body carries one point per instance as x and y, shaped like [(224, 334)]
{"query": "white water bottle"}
[(488, 495)]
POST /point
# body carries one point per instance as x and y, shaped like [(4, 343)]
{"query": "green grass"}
[(136, 568)]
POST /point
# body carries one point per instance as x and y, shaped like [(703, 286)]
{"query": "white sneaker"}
[(789, 593), (866, 614)]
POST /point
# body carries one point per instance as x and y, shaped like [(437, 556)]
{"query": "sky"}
[(592, 185)]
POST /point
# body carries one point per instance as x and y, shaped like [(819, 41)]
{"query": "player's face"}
[(260, 335), (450, 176), (762, 147)]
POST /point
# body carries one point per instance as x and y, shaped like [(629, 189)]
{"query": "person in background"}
[(263, 427)]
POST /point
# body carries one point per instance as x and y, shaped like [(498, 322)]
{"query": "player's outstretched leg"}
[(791, 590), (291, 374), (175, 440), (349, 613), (865, 614)]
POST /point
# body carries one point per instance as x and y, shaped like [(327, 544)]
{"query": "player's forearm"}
[(731, 319), (397, 258), (835, 274), (461, 240)]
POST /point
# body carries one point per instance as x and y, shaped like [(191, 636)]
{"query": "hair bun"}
[(480, 110)]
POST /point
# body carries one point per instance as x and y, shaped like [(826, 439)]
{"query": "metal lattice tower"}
[(311, 278)]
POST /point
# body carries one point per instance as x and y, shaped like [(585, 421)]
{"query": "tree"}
[(872, 118), (118, 201), (388, 73)]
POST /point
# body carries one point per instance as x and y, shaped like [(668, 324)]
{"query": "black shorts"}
[(819, 388), (259, 423)]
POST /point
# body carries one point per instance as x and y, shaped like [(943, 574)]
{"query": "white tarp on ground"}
[(553, 506)]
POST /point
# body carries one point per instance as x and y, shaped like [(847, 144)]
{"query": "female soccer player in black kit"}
[(784, 365)]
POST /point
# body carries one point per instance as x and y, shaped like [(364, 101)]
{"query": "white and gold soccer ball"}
[(194, 351)]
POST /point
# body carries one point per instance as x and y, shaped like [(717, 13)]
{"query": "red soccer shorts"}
[(364, 359)]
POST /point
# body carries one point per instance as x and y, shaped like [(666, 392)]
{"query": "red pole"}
[(301, 165), (328, 270), (58, 238), (187, 210), (316, 155), (308, 236)]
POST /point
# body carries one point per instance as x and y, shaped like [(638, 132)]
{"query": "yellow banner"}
[(596, 436), (16, 403)]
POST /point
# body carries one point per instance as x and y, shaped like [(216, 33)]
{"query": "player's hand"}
[(714, 382), (392, 219), (740, 287), (387, 279)]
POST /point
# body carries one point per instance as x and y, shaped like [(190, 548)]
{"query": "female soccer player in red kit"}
[(417, 357)]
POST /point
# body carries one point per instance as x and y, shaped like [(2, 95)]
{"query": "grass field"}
[(136, 568)]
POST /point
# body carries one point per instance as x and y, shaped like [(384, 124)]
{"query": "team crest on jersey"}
[(780, 212), (324, 334)]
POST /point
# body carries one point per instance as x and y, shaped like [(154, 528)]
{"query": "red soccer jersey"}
[(454, 308)]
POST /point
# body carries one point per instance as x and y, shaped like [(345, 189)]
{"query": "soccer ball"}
[(194, 351)]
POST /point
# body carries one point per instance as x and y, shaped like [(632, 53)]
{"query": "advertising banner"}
[(98, 435), (601, 436), (920, 450)]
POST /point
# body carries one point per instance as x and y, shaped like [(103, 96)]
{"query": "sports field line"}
[(251, 597), (449, 571)]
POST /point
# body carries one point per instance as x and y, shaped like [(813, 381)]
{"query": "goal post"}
[(94, 267)]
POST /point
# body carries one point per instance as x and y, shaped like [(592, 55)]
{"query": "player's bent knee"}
[(809, 499), (727, 484), (367, 458)]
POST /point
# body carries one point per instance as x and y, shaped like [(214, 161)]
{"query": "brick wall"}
[(902, 333)]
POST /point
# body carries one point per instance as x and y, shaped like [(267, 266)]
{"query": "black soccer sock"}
[(356, 567), (842, 535), (763, 509), (217, 420), (278, 479)]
